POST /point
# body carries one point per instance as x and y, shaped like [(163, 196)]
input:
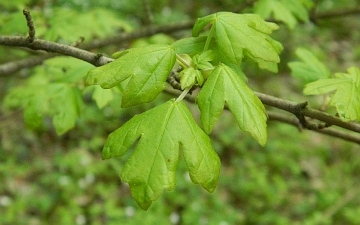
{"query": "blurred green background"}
[(297, 178)]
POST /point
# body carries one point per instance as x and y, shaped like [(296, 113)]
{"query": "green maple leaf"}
[(284, 10), (65, 107), (147, 67), (61, 101), (190, 45), (162, 132), (346, 99), (102, 96), (224, 85), (239, 35), (310, 69)]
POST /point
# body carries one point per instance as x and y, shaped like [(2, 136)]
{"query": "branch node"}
[(298, 112), (98, 56), (30, 25), (174, 80)]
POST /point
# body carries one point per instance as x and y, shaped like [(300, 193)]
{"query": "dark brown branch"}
[(328, 131), (292, 107), (48, 46)]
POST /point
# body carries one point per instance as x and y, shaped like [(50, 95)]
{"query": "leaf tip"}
[(106, 152)]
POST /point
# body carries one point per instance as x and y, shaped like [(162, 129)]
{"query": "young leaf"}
[(190, 45), (202, 61), (65, 107), (59, 100), (152, 166), (102, 96), (239, 35), (147, 67), (310, 69), (224, 85), (283, 10), (347, 96), (190, 77)]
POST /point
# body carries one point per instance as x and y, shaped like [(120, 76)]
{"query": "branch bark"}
[(292, 107), (38, 44), (117, 39)]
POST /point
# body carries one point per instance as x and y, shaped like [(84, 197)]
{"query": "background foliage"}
[(297, 178)]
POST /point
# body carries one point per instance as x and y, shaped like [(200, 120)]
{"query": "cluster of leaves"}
[(209, 61)]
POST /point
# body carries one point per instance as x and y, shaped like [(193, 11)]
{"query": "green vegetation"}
[(222, 129)]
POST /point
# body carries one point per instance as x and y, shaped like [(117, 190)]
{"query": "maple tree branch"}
[(38, 44), (328, 131), (116, 39), (14, 66), (293, 108)]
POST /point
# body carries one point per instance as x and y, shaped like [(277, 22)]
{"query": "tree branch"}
[(292, 107), (328, 131), (38, 44), (14, 66), (144, 32)]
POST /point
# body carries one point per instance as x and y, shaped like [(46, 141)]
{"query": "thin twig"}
[(30, 25)]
